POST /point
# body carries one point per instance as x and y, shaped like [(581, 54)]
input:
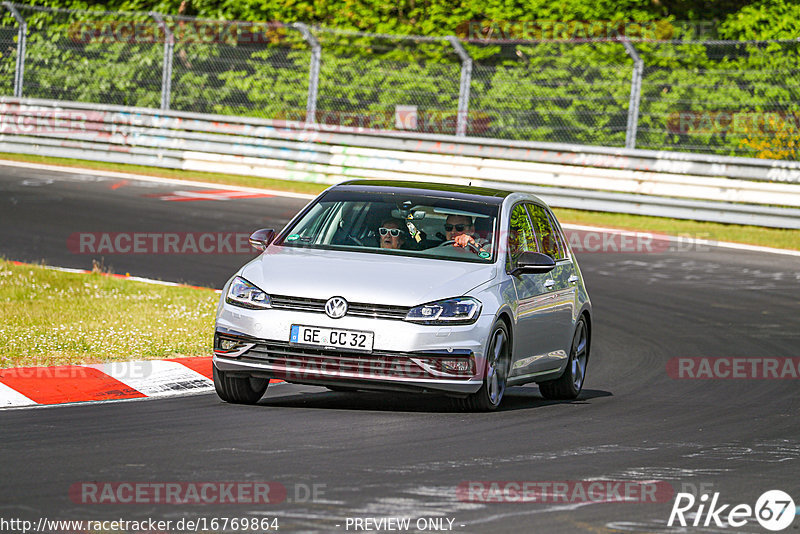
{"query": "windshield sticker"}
[(293, 237), (485, 255)]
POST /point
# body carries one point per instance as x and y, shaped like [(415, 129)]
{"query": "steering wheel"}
[(470, 244), (355, 239)]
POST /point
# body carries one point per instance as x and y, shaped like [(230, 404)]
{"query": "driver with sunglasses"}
[(460, 230)]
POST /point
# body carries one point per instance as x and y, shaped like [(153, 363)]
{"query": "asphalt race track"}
[(343, 456)]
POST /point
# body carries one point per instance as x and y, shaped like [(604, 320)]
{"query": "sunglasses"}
[(393, 231), (458, 227)]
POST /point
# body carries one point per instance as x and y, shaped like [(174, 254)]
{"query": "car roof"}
[(462, 192)]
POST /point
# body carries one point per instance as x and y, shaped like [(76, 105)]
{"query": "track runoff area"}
[(688, 415)]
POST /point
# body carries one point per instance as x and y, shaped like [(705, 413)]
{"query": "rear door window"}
[(521, 236), (547, 234)]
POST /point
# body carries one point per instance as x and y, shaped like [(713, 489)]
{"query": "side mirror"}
[(260, 239), (534, 263)]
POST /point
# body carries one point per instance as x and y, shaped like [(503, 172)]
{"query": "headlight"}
[(462, 310), (244, 294)]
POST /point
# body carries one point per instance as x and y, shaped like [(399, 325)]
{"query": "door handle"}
[(573, 279), (549, 284)]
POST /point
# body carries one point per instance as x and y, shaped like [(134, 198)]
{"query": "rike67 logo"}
[(774, 510)]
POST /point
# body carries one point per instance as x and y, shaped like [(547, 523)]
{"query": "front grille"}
[(354, 309), (309, 362)]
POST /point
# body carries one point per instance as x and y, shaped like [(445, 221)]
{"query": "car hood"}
[(363, 277)]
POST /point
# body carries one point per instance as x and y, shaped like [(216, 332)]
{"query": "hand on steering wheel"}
[(470, 244)]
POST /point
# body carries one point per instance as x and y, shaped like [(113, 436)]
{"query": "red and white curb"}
[(30, 386), (115, 381)]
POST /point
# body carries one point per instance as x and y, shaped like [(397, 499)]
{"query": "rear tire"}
[(569, 385), (239, 389), (490, 395)]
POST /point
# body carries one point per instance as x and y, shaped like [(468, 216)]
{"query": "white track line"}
[(154, 179), (129, 176), (35, 406), (120, 277)]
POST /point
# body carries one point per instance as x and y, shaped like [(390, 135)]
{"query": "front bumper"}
[(405, 356), (377, 370)]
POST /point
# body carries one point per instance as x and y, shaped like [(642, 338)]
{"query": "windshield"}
[(399, 224)]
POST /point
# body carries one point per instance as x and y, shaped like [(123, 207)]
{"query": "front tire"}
[(490, 395), (569, 385), (239, 389)]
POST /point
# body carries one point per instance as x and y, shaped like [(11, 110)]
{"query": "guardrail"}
[(669, 184)]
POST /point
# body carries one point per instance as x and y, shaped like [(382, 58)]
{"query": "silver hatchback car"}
[(401, 286)]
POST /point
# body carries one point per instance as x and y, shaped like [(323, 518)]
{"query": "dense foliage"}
[(737, 99), (741, 19)]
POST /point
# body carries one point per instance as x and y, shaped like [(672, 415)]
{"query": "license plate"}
[(331, 337)]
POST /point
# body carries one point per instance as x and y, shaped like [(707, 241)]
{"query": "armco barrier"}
[(687, 186)]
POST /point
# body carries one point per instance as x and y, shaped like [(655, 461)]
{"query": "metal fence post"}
[(313, 71), (463, 89), (166, 71), (22, 36), (636, 94)]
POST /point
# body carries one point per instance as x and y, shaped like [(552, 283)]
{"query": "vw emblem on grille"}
[(336, 307)]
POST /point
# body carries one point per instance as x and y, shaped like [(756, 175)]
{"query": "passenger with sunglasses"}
[(461, 229), (392, 234)]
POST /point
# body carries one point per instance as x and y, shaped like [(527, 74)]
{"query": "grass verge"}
[(752, 235), (48, 317)]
